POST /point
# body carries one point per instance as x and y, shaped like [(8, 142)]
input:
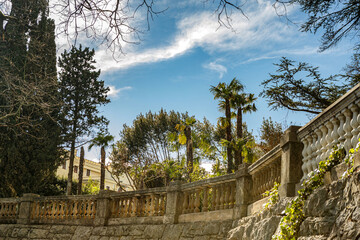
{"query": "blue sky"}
[(185, 52)]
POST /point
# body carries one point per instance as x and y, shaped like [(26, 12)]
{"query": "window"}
[(64, 165), (75, 169), (87, 172)]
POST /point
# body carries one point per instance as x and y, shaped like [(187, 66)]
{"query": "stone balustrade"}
[(337, 124), (226, 197), (145, 203), (209, 195), (61, 209), (9, 210), (265, 172)]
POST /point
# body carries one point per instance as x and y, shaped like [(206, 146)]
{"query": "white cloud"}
[(216, 67), (263, 29), (115, 92)]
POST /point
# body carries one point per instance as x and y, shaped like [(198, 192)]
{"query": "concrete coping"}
[(330, 111), (64, 197), (10, 200), (265, 160), (209, 182), (150, 191)]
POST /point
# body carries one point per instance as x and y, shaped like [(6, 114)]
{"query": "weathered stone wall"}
[(197, 230), (332, 212)]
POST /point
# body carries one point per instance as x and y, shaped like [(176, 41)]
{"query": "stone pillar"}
[(173, 203), (243, 191), (291, 162), (25, 208), (102, 208)]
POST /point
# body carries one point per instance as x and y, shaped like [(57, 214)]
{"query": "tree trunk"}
[(71, 166), (189, 149), (239, 134), (228, 136), (81, 170), (102, 177)]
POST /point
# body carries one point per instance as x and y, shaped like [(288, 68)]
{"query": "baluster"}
[(329, 138), (232, 195), (341, 131), (313, 155), (191, 201), (162, 208), (93, 209), (76, 209), (213, 198), (221, 193), (227, 195), (197, 200), (315, 161), (335, 134), (305, 153), (323, 143), (218, 196), (354, 124), (358, 120), (205, 200), (347, 129), (156, 207), (134, 206)]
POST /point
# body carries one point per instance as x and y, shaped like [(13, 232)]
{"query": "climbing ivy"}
[(294, 213), (273, 195)]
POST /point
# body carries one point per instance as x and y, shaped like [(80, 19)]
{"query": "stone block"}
[(61, 236), (38, 233), (82, 233), (136, 230), (173, 231), (211, 229), (154, 231)]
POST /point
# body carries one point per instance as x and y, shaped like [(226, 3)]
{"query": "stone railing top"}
[(9, 200), (330, 111), (209, 182), (148, 191), (65, 197), (268, 158)]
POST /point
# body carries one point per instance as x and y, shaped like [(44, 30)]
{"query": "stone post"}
[(243, 191), (25, 208), (102, 208), (291, 162), (173, 203)]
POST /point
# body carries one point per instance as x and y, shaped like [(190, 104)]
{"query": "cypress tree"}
[(30, 134)]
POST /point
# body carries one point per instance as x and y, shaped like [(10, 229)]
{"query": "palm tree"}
[(227, 93), (242, 103), (185, 138), (102, 140)]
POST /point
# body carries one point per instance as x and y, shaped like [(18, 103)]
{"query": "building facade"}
[(92, 170)]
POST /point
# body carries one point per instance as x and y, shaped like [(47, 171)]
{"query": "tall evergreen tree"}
[(81, 93), (29, 130)]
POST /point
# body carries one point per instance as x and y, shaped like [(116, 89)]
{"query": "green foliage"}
[(273, 195), (91, 187), (300, 88), (294, 213), (270, 134)]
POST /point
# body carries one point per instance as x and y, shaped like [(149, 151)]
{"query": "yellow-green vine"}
[(273, 195), (294, 213)]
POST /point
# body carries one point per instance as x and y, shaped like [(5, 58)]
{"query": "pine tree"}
[(81, 93)]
